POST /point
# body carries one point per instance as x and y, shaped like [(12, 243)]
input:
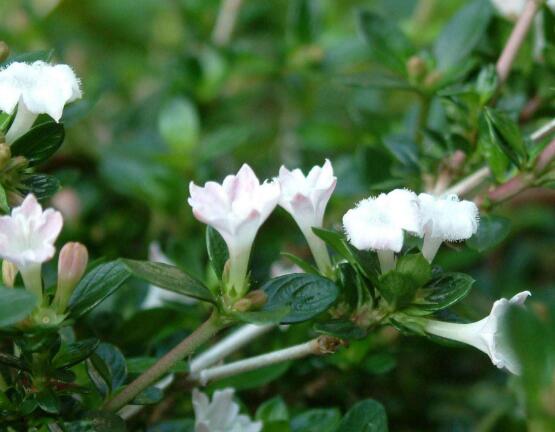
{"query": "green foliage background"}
[(297, 83)]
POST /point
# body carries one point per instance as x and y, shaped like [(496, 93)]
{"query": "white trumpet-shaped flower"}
[(221, 414), (306, 198), (445, 218), (380, 223), (488, 334), (236, 209), (36, 88), (27, 239)]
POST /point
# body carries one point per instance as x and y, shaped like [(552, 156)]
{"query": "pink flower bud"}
[(72, 264)]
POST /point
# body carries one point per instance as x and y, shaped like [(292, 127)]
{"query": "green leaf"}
[(343, 329), (15, 305), (43, 186), (398, 289), (149, 396), (506, 134), (274, 316), (39, 143), (305, 295), (138, 365), (273, 409), (217, 250), (107, 368), (306, 267), (179, 125), (98, 284), (416, 267), (4, 206), (48, 401), (490, 149), (316, 420), (74, 353), (365, 416), (336, 241), (387, 42), (461, 35), (491, 231), (377, 80), (443, 292), (100, 421), (170, 278)]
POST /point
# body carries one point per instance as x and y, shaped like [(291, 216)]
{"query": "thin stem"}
[(516, 39), (208, 329), (319, 346), (228, 345), (227, 17), (468, 183), (544, 131)]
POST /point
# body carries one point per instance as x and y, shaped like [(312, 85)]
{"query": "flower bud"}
[(416, 68), (5, 154), (9, 273), (72, 264), (4, 51), (253, 300)]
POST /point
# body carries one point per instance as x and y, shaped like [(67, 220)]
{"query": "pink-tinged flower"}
[(446, 219), (27, 239), (488, 334), (380, 224), (221, 414), (36, 88), (236, 209), (306, 198), (72, 264)]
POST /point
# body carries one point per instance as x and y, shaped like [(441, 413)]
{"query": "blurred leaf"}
[(492, 230), (170, 278), (377, 80), (343, 329), (100, 421), (273, 409), (398, 289), (365, 416), (217, 250), (305, 295), (461, 35), (416, 267), (99, 283), (137, 365), (316, 420), (505, 133), (387, 42), (15, 305), (149, 396), (179, 125), (491, 149), (254, 379), (48, 401), (40, 143), (306, 267), (4, 207)]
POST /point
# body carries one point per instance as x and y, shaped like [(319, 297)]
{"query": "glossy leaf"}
[(365, 416), (15, 305), (444, 291), (217, 250), (74, 353), (170, 278), (40, 143)]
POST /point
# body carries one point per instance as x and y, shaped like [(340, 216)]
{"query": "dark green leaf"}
[(15, 305), (398, 289), (416, 267), (305, 295), (43, 186), (316, 420), (443, 291), (306, 267), (170, 278), (387, 42), (98, 284), (48, 401), (336, 241), (461, 35), (39, 143), (343, 329), (149, 396), (365, 416), (100, 421), (491, 231), (507, 135), (74, 353), (491, 150), (274, 316), (217, 250), (274, 409)]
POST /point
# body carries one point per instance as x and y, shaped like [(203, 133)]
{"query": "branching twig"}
[(225, 23), (319, 346)]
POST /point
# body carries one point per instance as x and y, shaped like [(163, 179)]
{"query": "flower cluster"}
[(240, 205), (27, 238), (380, 223), (37, 88)]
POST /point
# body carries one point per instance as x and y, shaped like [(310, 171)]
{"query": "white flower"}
[(27, 239), (487, 334), (510, 9), (446, 218), (236, 209), (306, 198), (221, 414), (380, 223), (37, 88)]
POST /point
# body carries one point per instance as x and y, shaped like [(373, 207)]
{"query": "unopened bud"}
[(433, 78), (9, 273), (72, 264), (416, 68), (242, 305), (257, 298), (5, 154), (4, 51)]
